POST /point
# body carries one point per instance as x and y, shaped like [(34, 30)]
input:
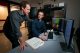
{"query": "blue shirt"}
[(38, 27)]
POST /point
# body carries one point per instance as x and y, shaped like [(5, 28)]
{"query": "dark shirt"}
[(13, 23), (38, 27)]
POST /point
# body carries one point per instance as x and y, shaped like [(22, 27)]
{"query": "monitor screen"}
[(68, 32)]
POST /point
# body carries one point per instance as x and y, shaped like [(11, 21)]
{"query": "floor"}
[(5, 44)]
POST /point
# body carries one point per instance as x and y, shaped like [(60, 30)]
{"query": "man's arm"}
[(15, 24), (44, 27), (34, 29), (14, 19)]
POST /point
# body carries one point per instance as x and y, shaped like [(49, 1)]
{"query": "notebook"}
[(35, 42)]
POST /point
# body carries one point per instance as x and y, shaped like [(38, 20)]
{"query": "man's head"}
[(25, 6), (40, 14)]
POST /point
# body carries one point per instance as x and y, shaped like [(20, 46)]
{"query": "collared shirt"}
[(13, 23)]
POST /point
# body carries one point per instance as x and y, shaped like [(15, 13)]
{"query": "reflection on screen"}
[(68, 31)]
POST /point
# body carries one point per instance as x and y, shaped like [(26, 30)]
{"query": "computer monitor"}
[(68, 32)]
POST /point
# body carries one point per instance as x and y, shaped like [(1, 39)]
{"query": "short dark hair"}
[(40, 10), (23, 4)]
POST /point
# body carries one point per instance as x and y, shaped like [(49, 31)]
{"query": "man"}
[(38, 26), (13, 22)]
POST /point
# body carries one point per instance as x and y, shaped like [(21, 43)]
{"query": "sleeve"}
[(15, 24), (44, 27), (34, 29)]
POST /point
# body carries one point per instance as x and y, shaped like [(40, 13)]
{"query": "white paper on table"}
[(35, 42)]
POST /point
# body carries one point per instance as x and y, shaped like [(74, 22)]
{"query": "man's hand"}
[(46, 34), (22, 43), (43, 36)]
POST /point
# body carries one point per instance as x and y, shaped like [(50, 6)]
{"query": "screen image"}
[(68, 32)]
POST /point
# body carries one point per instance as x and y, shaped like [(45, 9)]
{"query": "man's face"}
[(26, 10), (40, 15)]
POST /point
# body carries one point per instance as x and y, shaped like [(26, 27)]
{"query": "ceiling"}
[(39, 2), (32, 1)]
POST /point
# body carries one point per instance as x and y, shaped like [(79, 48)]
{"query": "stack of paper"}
[(35, 42)]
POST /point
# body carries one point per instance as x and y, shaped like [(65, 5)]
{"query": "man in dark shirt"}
[(38, 27), (13, 22)]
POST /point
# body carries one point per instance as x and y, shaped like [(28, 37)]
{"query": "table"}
[(50, 46)]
